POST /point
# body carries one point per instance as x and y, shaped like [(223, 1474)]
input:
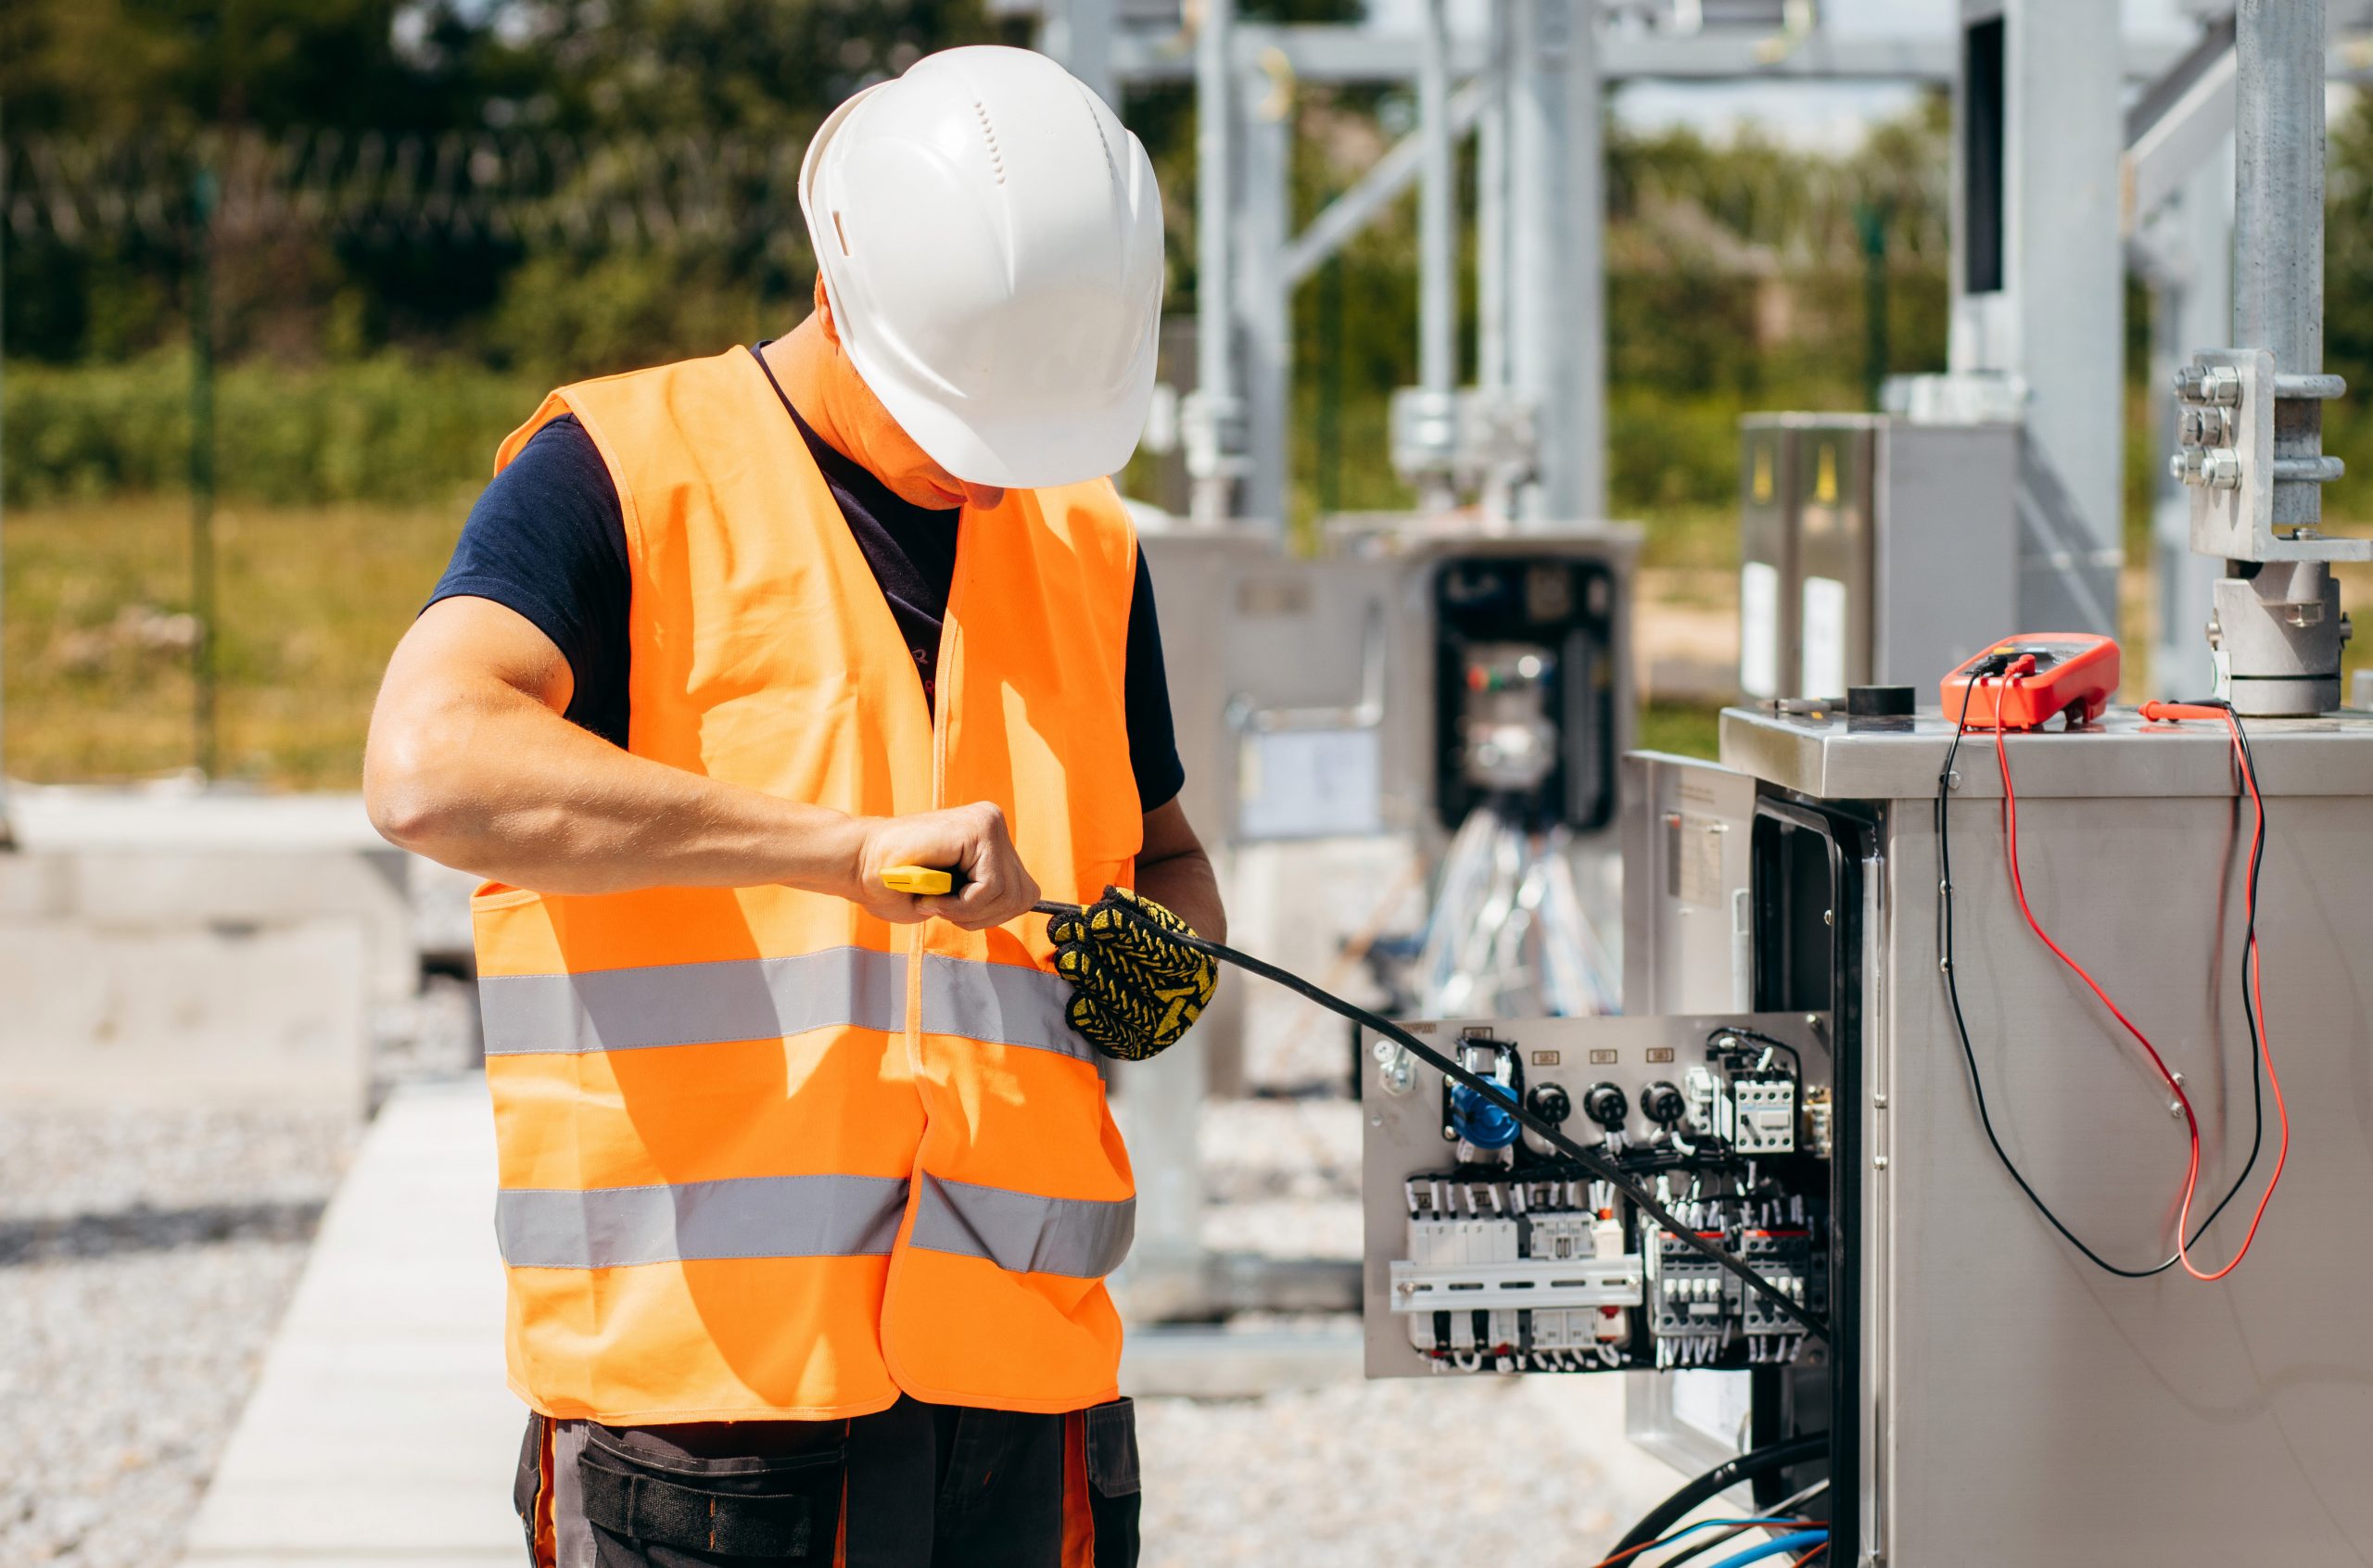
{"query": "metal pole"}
[(1533, 228), (203, 191), (1264, 300), (1575, 471), (2277, 628), (1491, 237), (1492, 207), (1214, 295), (1557, 319), (2279, 222), (1079, 34), (1437, 236)]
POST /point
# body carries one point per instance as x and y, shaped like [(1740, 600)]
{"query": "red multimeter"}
[(2032, 676)]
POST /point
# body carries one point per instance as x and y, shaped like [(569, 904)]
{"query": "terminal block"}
[(1493, 1252), (1514, 1277)]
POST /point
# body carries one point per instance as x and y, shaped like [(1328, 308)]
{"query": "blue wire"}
[(1714, 1524), (1801, 1540)]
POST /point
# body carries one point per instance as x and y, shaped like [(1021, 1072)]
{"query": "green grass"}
[(97, 652), (98, 658), (1690, 538), (1688, 730)]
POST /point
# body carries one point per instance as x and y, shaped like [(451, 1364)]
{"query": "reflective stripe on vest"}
[(1027, 1234), (751, 1217), (807, 1217), (772, 999), (763, 1155)]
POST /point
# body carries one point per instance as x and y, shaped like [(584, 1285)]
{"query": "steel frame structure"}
[(1530, 87), (1533, 100)]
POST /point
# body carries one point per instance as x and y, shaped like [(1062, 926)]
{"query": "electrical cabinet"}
[(1988, 1395), (1412, 671), (1873, 551), (1488, 1252)]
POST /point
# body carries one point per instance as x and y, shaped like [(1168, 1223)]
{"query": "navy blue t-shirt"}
[(548, 539)]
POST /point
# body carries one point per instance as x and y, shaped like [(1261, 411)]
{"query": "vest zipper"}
[(949, 677), (915, 946)]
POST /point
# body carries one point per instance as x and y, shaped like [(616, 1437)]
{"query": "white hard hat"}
[(990, 237)]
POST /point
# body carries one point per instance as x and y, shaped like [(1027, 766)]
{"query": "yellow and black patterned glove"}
[(1134, 991)]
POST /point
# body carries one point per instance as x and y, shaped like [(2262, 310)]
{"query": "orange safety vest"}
[(762, 1154)]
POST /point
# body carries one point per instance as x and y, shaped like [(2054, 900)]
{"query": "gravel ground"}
[(1323, 1477), (1363, 1474), (123, 1236), (1282, 1177)]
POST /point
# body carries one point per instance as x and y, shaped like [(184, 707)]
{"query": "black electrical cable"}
[(1720, 1479), (1780, 1510), (1596, 1164), (1759, 1038), (1961, 1025)]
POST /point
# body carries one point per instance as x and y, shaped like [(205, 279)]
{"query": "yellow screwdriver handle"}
[(921, 881)]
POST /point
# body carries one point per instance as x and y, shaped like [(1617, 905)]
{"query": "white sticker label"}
[(1824, 637), (1310, 784), (1759, 629), (1716, 1403), (1699, 858)]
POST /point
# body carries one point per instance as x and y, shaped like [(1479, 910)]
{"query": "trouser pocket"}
[(649, 1507), (1112, 1489)]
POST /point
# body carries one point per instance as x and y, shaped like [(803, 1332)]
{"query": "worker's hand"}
[(993, 886), (1135, 989)]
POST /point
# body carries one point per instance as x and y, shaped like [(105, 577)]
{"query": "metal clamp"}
[(2227, 460)]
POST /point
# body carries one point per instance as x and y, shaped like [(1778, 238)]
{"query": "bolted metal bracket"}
[(2227, 399), (1470, 437)]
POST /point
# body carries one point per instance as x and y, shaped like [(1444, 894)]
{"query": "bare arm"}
[(1174, 872), (471, 764)]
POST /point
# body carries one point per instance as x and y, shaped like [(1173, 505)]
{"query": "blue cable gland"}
[(1488, 1122)]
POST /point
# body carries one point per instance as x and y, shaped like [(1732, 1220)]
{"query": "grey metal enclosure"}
[(2159, 1419), (1873, 551)]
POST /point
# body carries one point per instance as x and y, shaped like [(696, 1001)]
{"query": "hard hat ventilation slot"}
[(989, 135), (1087, 101)]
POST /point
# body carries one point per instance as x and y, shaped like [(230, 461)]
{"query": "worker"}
[(807, 1185)]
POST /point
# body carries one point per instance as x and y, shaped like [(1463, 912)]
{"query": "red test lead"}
[(2173, 713)]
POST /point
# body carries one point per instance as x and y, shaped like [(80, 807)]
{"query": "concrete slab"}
[(1213, 1363), (381, 1433), (245, 1014), (58, 819), (174, 935)]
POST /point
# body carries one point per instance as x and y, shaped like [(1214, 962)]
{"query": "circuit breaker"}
[(1490, 1253)]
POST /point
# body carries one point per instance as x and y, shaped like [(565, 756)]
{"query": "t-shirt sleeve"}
[(548, 539), (1153, 740)]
